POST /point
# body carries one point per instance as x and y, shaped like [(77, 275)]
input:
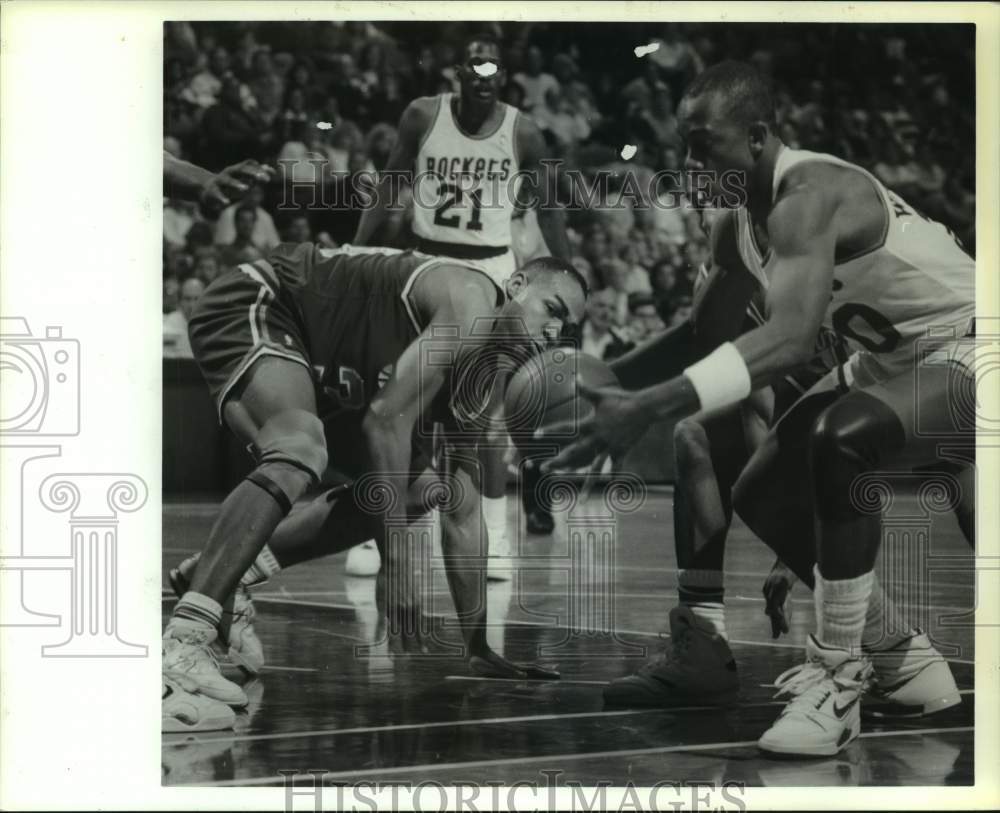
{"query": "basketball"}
[(543, 392)]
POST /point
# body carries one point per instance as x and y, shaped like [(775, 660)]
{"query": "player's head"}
[(545, 299), (726, 118), (480, 73)]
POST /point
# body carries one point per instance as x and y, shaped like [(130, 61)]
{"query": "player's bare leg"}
[(769, 497), (333, 522), (855, 434), (276, 399), (330, 523), (698, 666)]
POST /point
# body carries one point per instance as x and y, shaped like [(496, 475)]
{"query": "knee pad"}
[(854, 435), (291, 456)]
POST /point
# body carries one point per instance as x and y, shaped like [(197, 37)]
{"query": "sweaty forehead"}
[(482, 50), (702, 112), (568, 287)]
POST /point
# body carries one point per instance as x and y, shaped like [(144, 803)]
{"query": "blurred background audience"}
[(321, 101)]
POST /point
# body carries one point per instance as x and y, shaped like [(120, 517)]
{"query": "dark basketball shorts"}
[(240, 318)]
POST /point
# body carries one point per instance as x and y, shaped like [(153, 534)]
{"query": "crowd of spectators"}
[(898, 100)]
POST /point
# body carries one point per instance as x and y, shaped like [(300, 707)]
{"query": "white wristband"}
[(721, 379)]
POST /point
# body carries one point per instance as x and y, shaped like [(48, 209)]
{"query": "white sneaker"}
[(824, 715), (500, 564), (698, 668), (188, 656), (245, 648), (910, 680), (185, 711), (363, 560)]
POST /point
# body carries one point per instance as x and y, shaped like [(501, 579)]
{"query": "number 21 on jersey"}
[(451, 196)]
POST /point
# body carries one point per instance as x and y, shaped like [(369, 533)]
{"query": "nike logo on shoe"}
[(841, 712)]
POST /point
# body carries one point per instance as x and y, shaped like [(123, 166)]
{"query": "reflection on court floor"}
[(331, 699)]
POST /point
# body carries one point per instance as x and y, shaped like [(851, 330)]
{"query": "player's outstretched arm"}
[(722, 292), (658, 359), (187, 181), (803, 239), (539, 187), (391, 418), (463, 546), (413, 124)]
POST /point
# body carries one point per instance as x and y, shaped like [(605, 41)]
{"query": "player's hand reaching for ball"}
[(777, 597), (235, 180), (618, 421)]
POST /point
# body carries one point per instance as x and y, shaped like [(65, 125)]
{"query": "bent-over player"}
[(357, 319)]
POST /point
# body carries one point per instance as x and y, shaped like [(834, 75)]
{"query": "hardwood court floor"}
[(328, 701)]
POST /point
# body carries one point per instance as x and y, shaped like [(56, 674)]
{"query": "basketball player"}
[(184, 709), (473, 161), (910, 677), (831, 246), (352, 324)]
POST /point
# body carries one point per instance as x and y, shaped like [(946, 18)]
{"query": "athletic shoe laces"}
[(196, 654), (806, 683), (243, 606)]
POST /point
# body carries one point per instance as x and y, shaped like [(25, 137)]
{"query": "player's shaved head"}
[(553, 265), (744, 94), (545, 297), (727, 121)]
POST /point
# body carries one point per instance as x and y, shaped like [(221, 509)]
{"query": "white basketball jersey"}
[(465, 186), (886, 298)]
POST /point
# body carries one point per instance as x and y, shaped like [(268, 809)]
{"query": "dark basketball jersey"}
[(354, 313), (345, 314)]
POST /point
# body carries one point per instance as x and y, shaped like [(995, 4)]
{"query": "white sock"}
[(885, 627), (702, 592), (495, 517), (841, 606), (196, 611)]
